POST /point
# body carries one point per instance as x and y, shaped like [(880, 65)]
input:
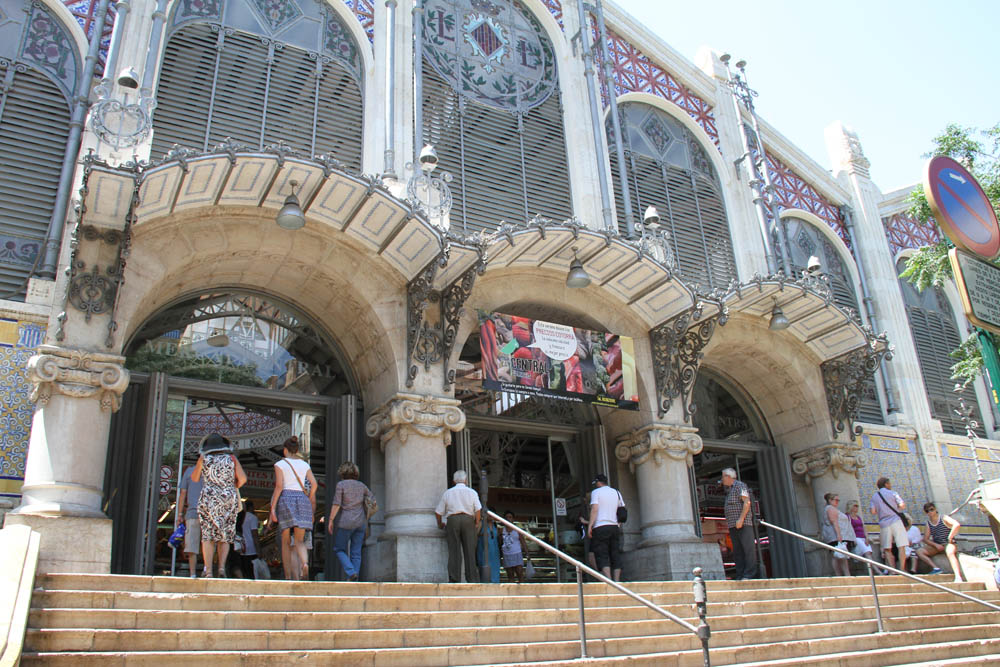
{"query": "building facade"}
[(232, 227)]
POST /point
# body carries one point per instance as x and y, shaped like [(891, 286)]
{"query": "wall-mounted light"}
[(778, 319), (291, 216), (577, 276), (651, 218)]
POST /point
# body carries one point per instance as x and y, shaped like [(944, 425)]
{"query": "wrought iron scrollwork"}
[(452, 306), (91, 291), (422, 343), (845, 378), (677, 352)]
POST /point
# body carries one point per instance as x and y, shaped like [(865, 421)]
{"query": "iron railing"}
[(701, 631), (871, 573)]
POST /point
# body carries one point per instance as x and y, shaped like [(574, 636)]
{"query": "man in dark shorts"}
[(603, 528)]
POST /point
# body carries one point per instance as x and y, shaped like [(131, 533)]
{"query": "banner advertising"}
[(528, 356)]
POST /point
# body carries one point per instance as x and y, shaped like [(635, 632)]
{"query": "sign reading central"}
[(527, 356)]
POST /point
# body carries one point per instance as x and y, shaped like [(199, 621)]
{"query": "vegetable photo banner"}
[(529, 356)]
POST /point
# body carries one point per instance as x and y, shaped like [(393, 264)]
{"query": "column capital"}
[(831, 457), (78, 374), (427, 416), (677, 441)]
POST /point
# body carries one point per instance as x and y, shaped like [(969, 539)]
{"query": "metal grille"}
[(34, 127), (509, 165), (935, 335), (218, 83)]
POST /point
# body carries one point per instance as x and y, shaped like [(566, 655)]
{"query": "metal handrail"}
[(871, 572), (702, 631)]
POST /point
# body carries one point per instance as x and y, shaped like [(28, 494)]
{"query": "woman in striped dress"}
[(939, 536)]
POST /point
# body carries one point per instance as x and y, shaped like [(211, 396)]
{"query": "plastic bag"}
[(260, 569), (529, 570), (837, 554), (176, 539)]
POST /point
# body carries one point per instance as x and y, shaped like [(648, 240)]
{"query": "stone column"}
[(413, 431), (829, 468), (659, 456), (75, 392)]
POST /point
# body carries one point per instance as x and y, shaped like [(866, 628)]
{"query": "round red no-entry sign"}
[(961, 207)]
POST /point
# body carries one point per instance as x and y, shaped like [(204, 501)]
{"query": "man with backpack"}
[(888, 507), (603, 527)]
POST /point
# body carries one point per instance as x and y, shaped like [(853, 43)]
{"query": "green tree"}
[(979, 152), (185, 363)]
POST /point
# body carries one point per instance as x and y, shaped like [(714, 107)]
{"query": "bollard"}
[(701, 604)]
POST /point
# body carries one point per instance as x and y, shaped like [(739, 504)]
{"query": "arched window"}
[(491, 109), (667, 168), (39, 66), (935, 335), (806, 241), (260, 73)]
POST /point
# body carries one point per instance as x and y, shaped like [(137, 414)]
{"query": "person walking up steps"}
[(461, 508)]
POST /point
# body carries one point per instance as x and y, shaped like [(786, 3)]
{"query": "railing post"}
[(701, 603), (583, 628), (878, 609)]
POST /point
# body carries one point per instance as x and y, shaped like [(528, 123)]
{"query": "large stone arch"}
[(216, 248)]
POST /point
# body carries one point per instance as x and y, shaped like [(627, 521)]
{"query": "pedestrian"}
[(740, 523), (887, 506), (583, 522), (940, 534), (514, 549), (602, 528), (488, 549), (251, 540), (913, 535), (837, 532), (292, 505), (187, 507), (348, 510), (861, 546), (460, 507), (218, 502)]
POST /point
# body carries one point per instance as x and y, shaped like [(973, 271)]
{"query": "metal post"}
[(991, 360), (701, 603), (878, 609), (630, 222), (595, 119), (80, 103), (484, 533), (122, 8), (740, 89), (555, 520), (583, 627), (390, 85), (869, 305), (418, 73)]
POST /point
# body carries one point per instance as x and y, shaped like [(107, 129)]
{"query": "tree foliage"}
[(183, 362), (979, 152)]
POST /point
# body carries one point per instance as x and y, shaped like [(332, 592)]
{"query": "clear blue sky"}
[(896, 71)]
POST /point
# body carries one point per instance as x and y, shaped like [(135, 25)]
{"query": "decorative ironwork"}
[(634, 72), (903, 232), (452, 306), (965, 413), (91, 291), (423, 343), (428, 193), (791, 191), (677, 352), (120, 124), (846, 377), (496, 54)]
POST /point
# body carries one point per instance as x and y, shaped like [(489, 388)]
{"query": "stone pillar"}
[(659, 456), (829, 468), (413, 431), (75, 392)]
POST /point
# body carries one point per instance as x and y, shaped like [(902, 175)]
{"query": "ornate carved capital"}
[(77, 373), (676, 441), (428, 416), (815, 462)]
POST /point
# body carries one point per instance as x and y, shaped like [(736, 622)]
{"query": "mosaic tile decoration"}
[(365, 11), (557, 12), (960, 471), (85, 12), (634, 72), (899, 460), (903, 232), (18, 340), (792, 191)]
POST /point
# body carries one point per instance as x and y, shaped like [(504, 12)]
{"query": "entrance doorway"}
[(248, 368)]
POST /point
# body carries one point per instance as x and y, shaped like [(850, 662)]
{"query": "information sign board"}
[(978, 283)]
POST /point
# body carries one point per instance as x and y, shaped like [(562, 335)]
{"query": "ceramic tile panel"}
[(18, 340)]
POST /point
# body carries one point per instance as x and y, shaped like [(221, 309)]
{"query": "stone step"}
[(63, 640), (867, 649)]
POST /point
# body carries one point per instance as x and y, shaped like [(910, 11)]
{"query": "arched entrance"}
[(240, 363)]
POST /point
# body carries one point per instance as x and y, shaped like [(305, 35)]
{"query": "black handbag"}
[(622, 510)]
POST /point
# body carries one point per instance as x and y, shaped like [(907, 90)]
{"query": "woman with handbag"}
[(353, 504), (292, 509), (218, 503), (514, 549), (837, 532)]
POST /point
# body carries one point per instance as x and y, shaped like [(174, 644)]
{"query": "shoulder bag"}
[(622, 513), (299, 480)]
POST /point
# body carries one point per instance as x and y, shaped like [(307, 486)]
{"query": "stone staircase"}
[(127, 620)]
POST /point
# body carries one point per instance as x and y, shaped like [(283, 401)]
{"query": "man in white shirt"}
[(603, 527), (461, 508)]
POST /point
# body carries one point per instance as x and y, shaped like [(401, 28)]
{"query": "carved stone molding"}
[(79, 374), (833, 457), (655, 441), (427, 416)]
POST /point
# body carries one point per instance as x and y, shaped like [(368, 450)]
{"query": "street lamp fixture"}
[(577, 276), (291, 216), (778, 320)]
